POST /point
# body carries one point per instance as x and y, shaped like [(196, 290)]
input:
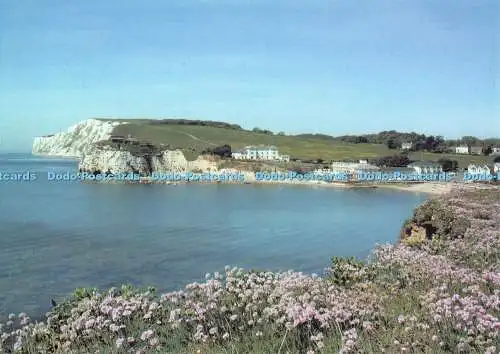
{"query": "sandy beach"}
[(435, 188)]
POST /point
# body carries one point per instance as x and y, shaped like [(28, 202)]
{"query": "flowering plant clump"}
[(442, 296)]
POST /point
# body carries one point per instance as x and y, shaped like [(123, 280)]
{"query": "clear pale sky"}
[(334, 67)]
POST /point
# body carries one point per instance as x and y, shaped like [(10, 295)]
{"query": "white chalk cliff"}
[(77, 141), (106, 159), (80, 142)]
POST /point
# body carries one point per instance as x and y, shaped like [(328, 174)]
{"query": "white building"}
[(475, 169), (462, 149), (495, 150), (406, 146), (426, 167), (268, 153), (352, 166)]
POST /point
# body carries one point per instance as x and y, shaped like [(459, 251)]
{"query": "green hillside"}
[(195, 138)]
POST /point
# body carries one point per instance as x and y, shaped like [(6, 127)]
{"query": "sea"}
[(56, 236)]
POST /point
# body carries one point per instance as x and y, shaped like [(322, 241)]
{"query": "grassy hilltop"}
[(195, 136)]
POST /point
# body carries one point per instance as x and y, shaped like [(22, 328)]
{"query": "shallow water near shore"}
[(57, 236)]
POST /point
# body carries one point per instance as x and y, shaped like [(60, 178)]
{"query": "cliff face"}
[(77, 141), (116, 161), (80, 142)]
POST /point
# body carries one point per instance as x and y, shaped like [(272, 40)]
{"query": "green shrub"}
[(347, 271)]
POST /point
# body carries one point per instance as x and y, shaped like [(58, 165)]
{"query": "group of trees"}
[(392, 161), (223, 151), (420, 142), (393, 140), (448, 165), (208, 123), (403, 161), (262, 131)]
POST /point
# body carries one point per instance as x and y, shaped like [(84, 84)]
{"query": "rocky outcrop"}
[(76, 141), (118, 161)]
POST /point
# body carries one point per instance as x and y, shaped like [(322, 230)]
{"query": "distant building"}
[(406, 146), (426, 167), (352, 166), (477, 169), (476, 150), (495, 150), (266, 153), (462, 149)]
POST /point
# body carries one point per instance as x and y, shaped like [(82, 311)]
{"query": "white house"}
[(462, 149), (495, 150), (406, 146), (268, 153), (475, 169), (426, 167)]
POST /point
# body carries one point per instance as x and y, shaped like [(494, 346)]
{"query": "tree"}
[(496, 159), (448, 165), (222, 151), (487, 151), (281, 134), (392, 161), (391, 143), (469, 140)]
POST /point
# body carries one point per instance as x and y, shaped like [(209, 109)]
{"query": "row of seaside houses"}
[(461, 149)]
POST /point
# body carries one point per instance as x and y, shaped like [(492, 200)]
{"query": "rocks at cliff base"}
[(119, 161)]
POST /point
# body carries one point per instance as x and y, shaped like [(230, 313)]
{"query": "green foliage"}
[(346, 271), (82, 293), (448, 165), (439, 219), (393, 161), (223, 151), (391, 143)]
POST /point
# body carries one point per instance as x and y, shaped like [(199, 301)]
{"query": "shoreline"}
[(434, 188)]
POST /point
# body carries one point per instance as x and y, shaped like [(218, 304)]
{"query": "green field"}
[(193, 139), (463, 160)]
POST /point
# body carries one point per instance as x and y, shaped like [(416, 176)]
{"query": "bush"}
[(223, 151), (393, 161), (448, 165), (349, 271), (439, 219)]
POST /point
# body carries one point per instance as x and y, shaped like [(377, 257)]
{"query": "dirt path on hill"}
[(196, 138)]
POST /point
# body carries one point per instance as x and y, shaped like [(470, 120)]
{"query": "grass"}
[(198, 138), (193, 139), (463, 160)]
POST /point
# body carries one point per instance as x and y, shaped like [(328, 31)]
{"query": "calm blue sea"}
[(56, 236)]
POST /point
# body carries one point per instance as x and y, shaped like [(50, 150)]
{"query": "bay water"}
[(56, 236)]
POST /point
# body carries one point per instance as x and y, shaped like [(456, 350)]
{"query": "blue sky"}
[(335, 67)]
